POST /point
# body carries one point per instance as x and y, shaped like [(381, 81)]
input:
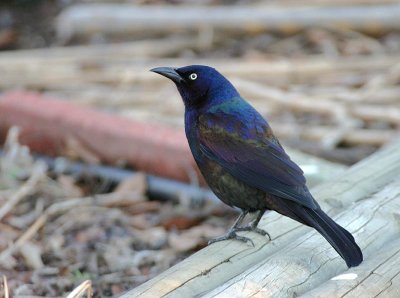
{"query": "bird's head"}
[(197, 83)]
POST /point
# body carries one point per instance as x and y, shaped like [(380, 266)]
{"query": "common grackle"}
[(243, 162)]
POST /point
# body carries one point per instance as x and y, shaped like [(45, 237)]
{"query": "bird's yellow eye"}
[(193, 76)]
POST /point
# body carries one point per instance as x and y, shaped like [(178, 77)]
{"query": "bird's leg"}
[(232, 232), (253, 226)]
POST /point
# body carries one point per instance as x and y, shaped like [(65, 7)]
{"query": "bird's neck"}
[(191, 119), (191, 131), (216, 95), (221, 92)]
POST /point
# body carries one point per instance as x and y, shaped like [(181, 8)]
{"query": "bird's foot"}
[(231, 235), (252, 228)]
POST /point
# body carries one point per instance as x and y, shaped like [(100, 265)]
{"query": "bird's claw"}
[(252, 228), (231, 235)]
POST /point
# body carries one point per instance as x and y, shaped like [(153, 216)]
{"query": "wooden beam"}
[(377, 275), (218, 263), (309, 260), (87, 19)]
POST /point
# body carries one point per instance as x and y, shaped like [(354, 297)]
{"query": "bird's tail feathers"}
[(340, 239)]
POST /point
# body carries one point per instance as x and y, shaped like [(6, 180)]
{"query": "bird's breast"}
[(229, 189)]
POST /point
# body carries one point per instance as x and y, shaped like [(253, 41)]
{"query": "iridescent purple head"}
[(198, 83)]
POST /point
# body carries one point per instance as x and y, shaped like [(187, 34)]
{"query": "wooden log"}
[(327, 102), (25, 60), (333, 135), (293, 100), (309, 261), (77, 71), (216, 264), (126, 50), (87, 19), (335, 2), (385, 95), (377, 276), (389, 114)]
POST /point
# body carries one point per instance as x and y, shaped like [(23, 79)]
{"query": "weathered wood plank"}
[(218, 263), (309, 261), (377, 276)]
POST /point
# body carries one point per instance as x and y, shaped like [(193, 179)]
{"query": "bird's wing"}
[(252, 155)]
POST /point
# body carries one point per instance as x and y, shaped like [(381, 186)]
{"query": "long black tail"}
[(340, 239)]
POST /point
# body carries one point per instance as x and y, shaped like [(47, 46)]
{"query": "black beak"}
[(169, 73)]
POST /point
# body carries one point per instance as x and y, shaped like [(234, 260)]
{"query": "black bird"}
[(243, 162)]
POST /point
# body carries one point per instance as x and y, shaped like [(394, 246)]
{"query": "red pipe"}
[(47, 124)]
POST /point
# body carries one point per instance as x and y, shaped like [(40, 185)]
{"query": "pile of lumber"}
[(322, 102), (340, 104)]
